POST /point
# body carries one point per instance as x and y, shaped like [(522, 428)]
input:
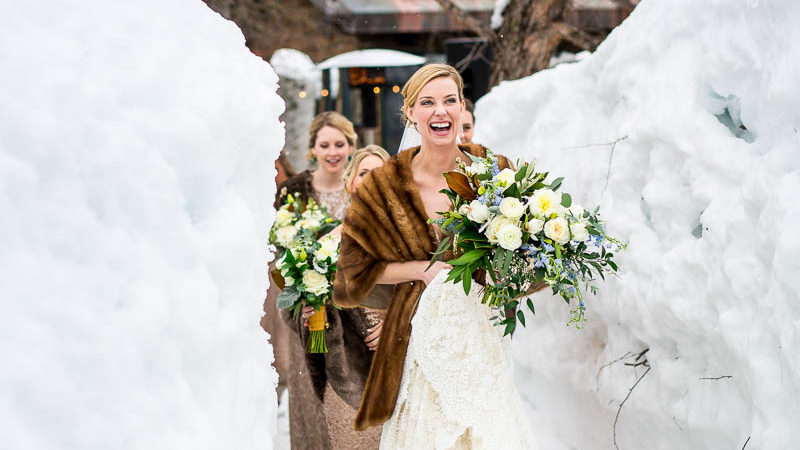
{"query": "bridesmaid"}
[(331, 140), (352, 336)]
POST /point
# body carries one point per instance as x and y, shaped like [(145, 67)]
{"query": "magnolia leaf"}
[(459, 183), (278, 279)]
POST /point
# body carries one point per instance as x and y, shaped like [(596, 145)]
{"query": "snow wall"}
[(702, 98), (137, 142)]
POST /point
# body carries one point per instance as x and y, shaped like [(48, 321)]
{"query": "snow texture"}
[(497, 13), (294, 64), (137, 142), (702, 100)]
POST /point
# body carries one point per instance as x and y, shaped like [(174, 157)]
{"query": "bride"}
[(442, 375)]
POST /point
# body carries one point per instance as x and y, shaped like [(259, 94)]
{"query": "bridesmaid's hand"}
[(374, 336), (307, 312), (428, 275)]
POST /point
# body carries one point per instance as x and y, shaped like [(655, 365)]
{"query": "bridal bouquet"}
[(525, 234), (306, 262)]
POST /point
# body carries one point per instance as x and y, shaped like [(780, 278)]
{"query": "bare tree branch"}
[(619, 410)]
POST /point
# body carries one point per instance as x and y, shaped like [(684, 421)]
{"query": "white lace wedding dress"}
[(458, 389)]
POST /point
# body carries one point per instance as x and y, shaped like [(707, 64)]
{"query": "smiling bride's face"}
[(437, 111)]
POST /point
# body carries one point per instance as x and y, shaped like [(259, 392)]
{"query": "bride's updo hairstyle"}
[(421, 77)]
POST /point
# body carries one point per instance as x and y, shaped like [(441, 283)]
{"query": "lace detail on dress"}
[(335, 202), (458, 388)]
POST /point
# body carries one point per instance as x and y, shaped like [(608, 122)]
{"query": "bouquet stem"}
[(316, 328)]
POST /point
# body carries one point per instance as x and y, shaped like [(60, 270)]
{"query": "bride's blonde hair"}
[(421, 77)]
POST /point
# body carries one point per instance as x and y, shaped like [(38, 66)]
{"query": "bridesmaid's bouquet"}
[(525, 234), (306, 263)]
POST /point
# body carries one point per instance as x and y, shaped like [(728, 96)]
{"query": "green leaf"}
[(613, 265), (530, 306), (506, 264), (566, 200), (510, 328), (468, 257), (473, 236), (286, 299), (521, 317), (467, 281), (512, 191), (520, 174), (556, 183)]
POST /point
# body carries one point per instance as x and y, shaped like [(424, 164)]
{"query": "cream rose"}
[(579, 232), (283, 217), (309, 224), (288, 281), (557, 229), (512, 208), (509, 236), (477, 168), (534, 226), (544, 202), (576, 210), (494, 227), (478, 212), (285, 236), (505, 178), (315, 282), (329, 248)]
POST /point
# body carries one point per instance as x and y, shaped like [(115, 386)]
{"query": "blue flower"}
[(539, 261), (495, 169), (497, 200), (548, 248), (524, 247)]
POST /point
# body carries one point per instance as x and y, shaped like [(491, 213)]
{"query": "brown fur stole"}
[(386, 223)]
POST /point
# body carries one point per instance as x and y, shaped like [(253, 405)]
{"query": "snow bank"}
[(702, 100), (137, 142)]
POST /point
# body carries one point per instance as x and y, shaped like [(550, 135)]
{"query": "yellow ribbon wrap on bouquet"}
[(316, 328)]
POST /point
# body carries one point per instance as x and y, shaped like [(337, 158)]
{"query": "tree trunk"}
[(531, 32)]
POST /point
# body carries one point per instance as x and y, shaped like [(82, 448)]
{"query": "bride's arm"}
[(403, 272)]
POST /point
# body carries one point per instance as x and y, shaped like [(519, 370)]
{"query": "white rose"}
[(512, 208), (544, 202), (509, 236), (478, 212), (310, 224), (557, 229), (285, 236), (534, 226), (283, 217), (477, 168), (505, 178), (315, 282), (329, 247), (464, 210), (288, 281), (494, 227), (576, 210), (579, 232)]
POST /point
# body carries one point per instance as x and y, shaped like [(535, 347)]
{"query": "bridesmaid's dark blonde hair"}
[(421, 77), (331, 119), (357, 157)]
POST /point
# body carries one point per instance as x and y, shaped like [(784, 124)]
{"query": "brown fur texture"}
[(386, 223)]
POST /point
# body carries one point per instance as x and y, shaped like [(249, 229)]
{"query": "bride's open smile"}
[(437, 111)]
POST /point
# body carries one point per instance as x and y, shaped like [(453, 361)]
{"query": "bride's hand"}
[(428, 275)]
